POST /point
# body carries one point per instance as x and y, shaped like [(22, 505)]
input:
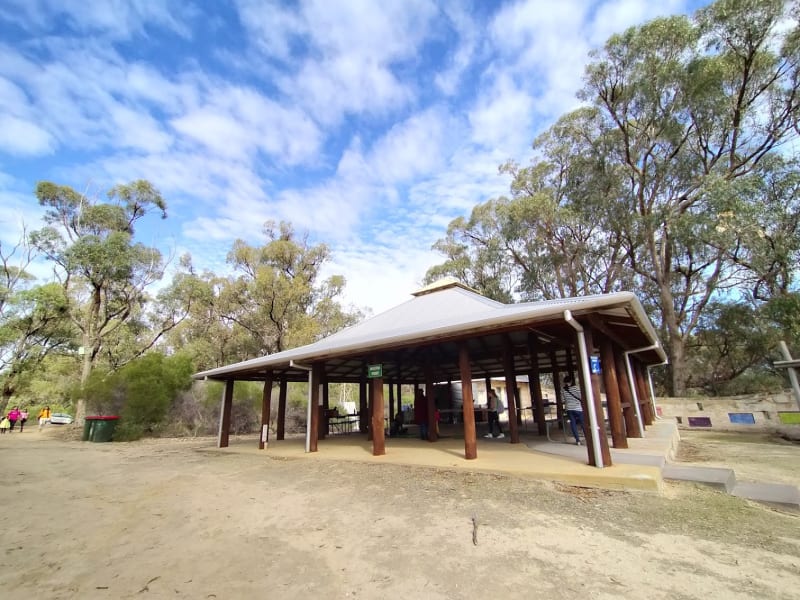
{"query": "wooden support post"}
[(363, 411), (266, 409), (626, 397), (430, 398), (377, 431), (535, 385), (511, 388), (282, 410), (317, 374), (613, 402), (225, 415), (468, 407)]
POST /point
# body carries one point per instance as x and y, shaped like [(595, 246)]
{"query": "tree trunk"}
[(86, 370), (677, 359), (676, 341)]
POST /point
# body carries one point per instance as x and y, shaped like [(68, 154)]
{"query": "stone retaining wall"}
[(757, 412)]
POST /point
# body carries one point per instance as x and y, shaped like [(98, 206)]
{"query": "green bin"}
[(100, 428), (87, 427)]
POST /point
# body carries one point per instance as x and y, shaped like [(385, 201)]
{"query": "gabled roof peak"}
[(444, 283)]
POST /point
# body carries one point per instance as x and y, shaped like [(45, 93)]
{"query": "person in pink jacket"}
[(13, 416)]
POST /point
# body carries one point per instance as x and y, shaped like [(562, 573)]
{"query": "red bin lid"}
[(102, 418)]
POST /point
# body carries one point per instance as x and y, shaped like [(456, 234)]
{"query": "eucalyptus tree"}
[(277, 295), (104, 273), (695, 108)]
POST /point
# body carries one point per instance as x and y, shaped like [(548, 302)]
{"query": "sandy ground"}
[(179, 519)]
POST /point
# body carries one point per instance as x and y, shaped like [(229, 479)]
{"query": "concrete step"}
[(720, 478)]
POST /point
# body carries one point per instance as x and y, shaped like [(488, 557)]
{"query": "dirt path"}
[(179, 519)]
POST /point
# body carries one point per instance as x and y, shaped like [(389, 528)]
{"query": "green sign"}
[(374, 371)]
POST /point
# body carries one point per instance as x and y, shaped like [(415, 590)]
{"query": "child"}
[(44, 417), (5, 425)]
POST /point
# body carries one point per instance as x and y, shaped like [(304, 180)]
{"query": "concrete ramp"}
[(780, 494), (771, 493), (722, 479)]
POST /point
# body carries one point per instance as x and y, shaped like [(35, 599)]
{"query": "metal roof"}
[(425, 332)]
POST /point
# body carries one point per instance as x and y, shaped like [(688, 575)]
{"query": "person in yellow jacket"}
[(44, 417)]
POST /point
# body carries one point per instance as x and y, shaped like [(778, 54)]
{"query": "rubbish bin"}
[(87, 427), (100, 428)]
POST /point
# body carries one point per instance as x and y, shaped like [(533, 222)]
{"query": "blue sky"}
[(368, 125)]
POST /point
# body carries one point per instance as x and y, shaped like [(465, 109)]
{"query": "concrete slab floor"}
[(533, 457)]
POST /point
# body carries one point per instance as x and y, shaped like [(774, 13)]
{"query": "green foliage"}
[(730, 342), (34, 326), (141, 393), (783, 313)]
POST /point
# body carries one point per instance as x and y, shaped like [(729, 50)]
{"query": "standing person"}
[(421, 413), (23, 418), (494, 403), (44, 417), (5, 425), (13, 416), (573, 406)]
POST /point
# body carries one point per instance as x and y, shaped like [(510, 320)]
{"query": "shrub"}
[(141, 392)]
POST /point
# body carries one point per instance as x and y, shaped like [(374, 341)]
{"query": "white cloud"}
[(237, 122), (139, 130), (381, 276), (340, 57), (118, 19), (273, 25), (448, 80), (370, 125), (503, 115), (75, 97), (411, 149), (617, 15), (173, 95), (18, 136)]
